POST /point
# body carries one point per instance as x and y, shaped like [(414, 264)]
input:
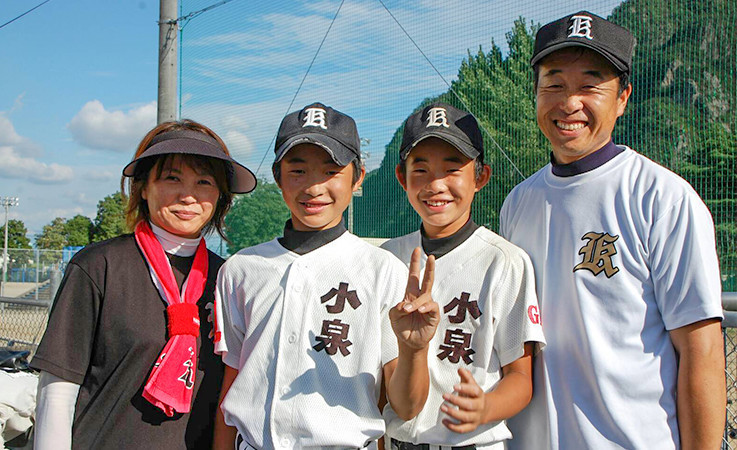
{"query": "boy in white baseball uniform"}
[(480, 359), (309, 323)]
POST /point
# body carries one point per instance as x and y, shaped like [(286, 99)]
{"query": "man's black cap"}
[(446, 122), (320, 125), (586, 30)]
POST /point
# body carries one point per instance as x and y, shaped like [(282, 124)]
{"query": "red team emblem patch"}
[(533, 314), (215, 334)]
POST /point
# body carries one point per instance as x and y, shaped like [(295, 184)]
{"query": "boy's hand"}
[(416, 317), (470, 401)]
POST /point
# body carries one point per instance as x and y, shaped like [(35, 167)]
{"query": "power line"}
[(35, 7), (303, 80), (178, 23), (194, 14), (450, 87)]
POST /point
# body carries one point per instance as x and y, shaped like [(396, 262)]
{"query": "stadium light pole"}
[(7, 202)]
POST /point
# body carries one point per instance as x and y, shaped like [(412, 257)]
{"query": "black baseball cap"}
[(441, 120), (323, 126), (240, 180), (584, 29)]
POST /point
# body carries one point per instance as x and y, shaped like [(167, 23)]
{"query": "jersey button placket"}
[(289, 353), (282, 408)]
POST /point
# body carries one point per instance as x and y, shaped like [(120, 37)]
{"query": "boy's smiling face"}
[(441, 182), (315, 188)]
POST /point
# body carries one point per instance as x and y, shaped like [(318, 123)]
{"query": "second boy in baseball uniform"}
[(310, 323), (480, 357)]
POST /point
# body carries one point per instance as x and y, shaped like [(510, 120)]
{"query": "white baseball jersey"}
[(486, 293), (309, 335), (623, 254)]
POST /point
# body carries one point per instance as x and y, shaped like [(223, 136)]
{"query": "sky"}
[(79, 79)]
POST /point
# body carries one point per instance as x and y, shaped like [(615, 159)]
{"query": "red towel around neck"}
[(170, 384)]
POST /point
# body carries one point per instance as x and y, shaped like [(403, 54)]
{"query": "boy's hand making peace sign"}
[(416, 317)]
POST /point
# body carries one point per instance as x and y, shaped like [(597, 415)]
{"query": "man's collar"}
[(588, 162)]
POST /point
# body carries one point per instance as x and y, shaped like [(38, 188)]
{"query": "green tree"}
[(498, 91), (16, 234), (682, 113), (52, 235), (18, 244), (110, 219), (77, 230), (256, 217)]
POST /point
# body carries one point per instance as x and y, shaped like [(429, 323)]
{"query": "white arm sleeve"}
[(56, 400)]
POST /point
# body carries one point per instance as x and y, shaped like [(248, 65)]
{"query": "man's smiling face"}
[(578, 102)]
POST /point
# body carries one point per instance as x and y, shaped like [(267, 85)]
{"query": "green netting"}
[(245, 64)]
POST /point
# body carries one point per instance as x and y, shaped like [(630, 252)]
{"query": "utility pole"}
[(7, 202), (168, 48)]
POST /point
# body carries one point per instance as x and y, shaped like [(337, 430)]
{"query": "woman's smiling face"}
[(181, 201)]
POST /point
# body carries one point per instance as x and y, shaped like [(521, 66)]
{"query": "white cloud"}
[(101, 175), (66, 213), (238, 143), (271, 52), (98, 128), (18, 103), (13, 165), (185, 98), (9, 137), (247, 129), (248, 72), (81, 198), (233, 121), (17, 158)]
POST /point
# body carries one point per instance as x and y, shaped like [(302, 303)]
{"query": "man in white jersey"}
[(480, 359), (312, 323), (625, 263)]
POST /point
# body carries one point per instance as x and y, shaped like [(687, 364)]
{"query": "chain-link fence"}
[(729, 302), (22, 323), (246, 64), (32, 278), (31, 272), (730, 352)]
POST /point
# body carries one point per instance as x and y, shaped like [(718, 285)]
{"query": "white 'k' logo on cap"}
[(581, 27), (437, 117), (315, 118)]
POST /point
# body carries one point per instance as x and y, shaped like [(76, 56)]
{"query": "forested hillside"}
[(681, 114)]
